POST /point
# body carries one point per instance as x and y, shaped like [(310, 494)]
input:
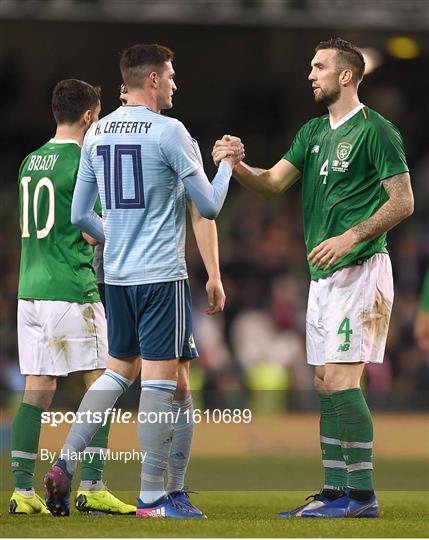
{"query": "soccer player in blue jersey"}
[(145, 166)]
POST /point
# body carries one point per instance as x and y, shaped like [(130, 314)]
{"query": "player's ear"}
[(346, 77), (123, 91), (87, 117), (153, 77)]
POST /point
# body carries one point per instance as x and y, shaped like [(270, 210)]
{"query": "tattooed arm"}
[(399, 206)]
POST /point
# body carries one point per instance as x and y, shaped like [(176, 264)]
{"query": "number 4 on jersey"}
[(324, 170), (347, 331)]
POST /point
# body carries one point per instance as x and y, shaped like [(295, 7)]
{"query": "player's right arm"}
[(266, 182), (180, 152), (209, 197)]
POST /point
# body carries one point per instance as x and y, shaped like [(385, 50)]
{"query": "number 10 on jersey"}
[(119, 151)]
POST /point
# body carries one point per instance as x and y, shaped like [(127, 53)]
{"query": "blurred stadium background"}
[(242, 68)]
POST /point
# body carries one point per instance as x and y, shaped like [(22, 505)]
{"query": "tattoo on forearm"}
[(397, 208)]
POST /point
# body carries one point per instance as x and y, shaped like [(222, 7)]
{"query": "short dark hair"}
[(71, 98), (349, 56), (136, 60)]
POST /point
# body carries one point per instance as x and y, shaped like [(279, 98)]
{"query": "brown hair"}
[(137, 61), (71, 98), (349, 56)]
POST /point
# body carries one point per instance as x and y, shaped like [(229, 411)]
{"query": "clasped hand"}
[(230, 148)]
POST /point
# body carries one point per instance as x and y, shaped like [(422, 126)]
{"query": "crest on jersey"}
[(343, 150)]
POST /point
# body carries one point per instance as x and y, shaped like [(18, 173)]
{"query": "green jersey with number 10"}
[(342, 169), (55, 259)]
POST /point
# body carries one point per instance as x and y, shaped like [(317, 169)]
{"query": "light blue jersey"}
[(138, 159)]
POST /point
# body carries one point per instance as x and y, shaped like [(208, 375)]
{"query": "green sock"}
[(334, 465), (356, 435), (93, 462), (25, 444)]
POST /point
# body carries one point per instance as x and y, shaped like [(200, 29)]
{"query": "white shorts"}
[(57, 338), (348, 313)]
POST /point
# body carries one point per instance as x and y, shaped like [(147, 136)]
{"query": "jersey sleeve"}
[(424, 295), (86, 171), (179, 150), (296, 153), (387, 150), (209, 197)]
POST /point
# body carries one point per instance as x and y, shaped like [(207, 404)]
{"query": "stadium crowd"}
[(258, 342)]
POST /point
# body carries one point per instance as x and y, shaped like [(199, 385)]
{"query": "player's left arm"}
[(85, 196), (205, 232), (82, 213), (399, 205)]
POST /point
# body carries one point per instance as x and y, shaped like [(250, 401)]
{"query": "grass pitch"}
[(241, 497), (233, 514)]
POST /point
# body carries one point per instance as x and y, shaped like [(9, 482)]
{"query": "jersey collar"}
[(64, 141), (347, 116)]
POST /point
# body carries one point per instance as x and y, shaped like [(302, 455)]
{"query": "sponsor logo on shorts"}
[(191, 342)]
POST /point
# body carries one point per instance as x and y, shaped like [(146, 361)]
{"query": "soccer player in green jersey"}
[(421, 326), (356, 187), (61, 321)]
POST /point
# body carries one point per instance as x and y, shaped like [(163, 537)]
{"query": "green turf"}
[(241, 497), (233, 514), (253, 473)]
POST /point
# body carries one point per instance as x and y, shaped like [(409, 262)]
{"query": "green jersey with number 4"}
[(55, 259), (342, 169)]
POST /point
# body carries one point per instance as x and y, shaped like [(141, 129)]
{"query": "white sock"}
[(101, 396), (91, 485), (183, 430), (25, 492), (155, 436)]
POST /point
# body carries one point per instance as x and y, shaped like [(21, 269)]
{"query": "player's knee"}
[(335, 382), (39, 390), (183, 389), (182, 393), (319, 385), (343, 377)]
